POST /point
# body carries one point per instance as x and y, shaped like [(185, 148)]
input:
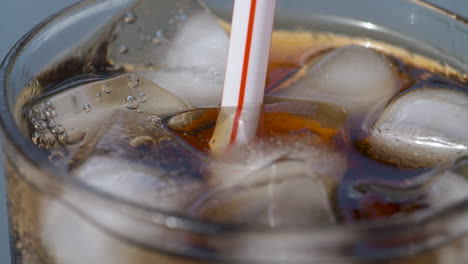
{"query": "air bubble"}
[(129, 18), (131, 102), (87, 108), (38, 113), (50, 114), (106, 88), (72, 136), (142, 98), (52, 124), (159, 37), (99, 97), (40, 125), (49, 105), (133, 81), (58, 129), (123, 49), (42, 115)]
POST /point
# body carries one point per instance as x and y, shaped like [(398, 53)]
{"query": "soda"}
[(352, 130)]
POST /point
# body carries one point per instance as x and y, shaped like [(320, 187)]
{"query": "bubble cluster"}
[(42, 118), (49, 133)]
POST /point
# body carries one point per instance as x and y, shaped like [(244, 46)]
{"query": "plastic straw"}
[(246, 70)]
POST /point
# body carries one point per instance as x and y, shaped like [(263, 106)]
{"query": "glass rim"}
[(392, 227)]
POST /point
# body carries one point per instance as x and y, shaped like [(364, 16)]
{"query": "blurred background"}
[(17, 17)]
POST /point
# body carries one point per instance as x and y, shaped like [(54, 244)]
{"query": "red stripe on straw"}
[(245, 69)]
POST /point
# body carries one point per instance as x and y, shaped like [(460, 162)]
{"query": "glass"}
[(73, 42)]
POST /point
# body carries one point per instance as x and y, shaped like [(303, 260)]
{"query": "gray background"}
[(18, 16)]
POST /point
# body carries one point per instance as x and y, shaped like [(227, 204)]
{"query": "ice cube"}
[(356, 78), (194, 65), (200, 43), (74, 116), (63, 232), (284, 193), (421, 128), (153, 187), (202, 87), (137, 160), (255, 183), (67, 236), (239, 166), (181, 48), (168, 33)]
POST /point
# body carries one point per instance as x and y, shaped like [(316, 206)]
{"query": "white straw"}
[(246, 70)]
